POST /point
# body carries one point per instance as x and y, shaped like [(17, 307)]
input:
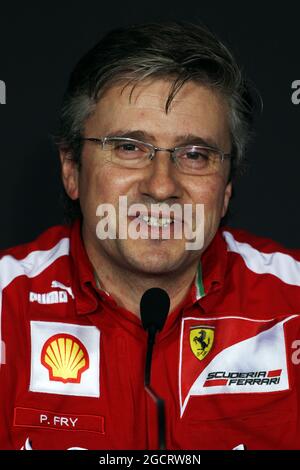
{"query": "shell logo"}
[(65, 357)]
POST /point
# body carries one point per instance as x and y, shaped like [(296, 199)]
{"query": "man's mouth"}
[(156, 221)]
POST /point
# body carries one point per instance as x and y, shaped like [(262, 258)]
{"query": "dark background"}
[(40, 44)]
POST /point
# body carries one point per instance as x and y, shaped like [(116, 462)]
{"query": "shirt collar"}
[(86, 294), (210, 274), (211, 269)]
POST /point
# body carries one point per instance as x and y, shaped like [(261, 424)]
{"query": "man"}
[(156, 116)]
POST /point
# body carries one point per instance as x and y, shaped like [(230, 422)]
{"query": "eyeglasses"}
[(190, 159)]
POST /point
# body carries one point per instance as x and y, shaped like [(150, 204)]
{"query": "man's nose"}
[(161, 178)]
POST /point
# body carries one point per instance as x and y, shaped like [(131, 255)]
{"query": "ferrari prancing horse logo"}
[(201, 340)]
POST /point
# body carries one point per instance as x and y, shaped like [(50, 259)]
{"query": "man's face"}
[(195, 110)]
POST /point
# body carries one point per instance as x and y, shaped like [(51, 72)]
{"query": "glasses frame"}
[(153, 149)]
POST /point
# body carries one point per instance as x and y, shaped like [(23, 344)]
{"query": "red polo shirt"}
[(226, 362)]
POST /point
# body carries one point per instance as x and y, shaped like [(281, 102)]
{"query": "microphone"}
[(154, 309)]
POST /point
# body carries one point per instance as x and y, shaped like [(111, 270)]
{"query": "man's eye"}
[(197, 155), (127, 147)]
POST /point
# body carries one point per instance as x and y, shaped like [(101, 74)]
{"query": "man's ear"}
[(70, 173), (227, 196)]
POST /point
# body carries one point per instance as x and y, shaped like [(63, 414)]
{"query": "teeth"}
[(156, 222)]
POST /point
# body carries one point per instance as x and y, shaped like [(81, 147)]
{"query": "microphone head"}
[(154, 308)]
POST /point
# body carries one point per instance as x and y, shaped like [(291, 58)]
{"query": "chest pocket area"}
[(257, 420)]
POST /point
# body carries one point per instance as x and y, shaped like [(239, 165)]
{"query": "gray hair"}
[(177, 51)]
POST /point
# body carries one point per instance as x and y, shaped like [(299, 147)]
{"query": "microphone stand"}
[(160, 404)]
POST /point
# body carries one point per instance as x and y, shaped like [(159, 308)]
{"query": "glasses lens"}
[(128, 152), (195, 159)]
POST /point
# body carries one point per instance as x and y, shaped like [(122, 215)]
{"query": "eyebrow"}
[(186, 139)]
